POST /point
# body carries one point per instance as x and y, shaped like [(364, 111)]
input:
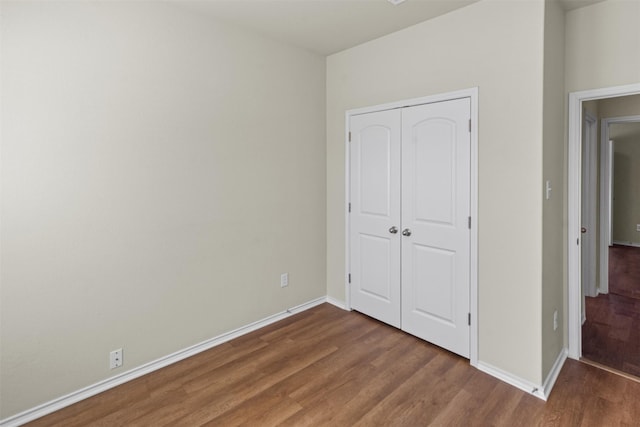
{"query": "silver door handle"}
[(406, 232), (393, 230)]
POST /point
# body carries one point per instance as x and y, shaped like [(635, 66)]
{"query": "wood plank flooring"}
[(611, 333), (327, 366), (624, 271)]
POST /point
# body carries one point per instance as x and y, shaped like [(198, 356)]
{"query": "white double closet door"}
[(409, 220)]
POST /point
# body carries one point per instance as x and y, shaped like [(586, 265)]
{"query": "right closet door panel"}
[(436, 155)]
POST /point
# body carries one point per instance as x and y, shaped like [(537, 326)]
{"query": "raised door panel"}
[(435, 269), (375, 274), (374, 166), (434, 171)]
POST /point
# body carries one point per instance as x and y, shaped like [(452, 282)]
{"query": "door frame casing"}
[(472, 94), (591, 178), (574, 178)]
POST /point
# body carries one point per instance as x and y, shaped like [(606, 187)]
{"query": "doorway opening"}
[(603, 320)]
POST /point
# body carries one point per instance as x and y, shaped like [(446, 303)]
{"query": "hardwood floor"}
[(327, 366), (624, 271), (611, 333)]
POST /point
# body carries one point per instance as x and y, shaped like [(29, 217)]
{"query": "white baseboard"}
[(99, 387), (550, 381), (511, 379), (539, 391), (337, 303), (634, 244)]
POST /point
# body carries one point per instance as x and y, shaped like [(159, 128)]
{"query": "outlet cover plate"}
[(115, 359)]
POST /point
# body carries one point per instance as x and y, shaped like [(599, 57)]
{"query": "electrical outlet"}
[(284, 280), (115, 359), (555, 320), (637, 227)]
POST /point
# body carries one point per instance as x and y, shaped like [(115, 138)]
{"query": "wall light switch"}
[(548, 190)]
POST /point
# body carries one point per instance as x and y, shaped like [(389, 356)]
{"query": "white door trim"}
[(574, 179), (591, 179), (471, 93)]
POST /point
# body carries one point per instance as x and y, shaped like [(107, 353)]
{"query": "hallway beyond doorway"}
[(611, 333)]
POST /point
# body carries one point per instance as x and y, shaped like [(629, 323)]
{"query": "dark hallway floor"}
[(611, 334), (624, 271)]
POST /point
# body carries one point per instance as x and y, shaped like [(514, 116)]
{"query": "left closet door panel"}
[(375, 215)]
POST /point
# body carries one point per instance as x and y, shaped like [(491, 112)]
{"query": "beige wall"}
[(626, 182), (553, 249), (591, 107), (619, 107), (497, 46), (159, 171), (602, 45)]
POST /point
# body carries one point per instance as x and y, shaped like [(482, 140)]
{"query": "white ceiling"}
[(329, 26)]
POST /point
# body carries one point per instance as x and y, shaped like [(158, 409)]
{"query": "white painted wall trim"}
[(522, 384), (347, 211), (590, 160), (473, 260), (632, 244), (550, 381), (448, 96), (337, 303), (574, 314), (99, 387), (471, 93), (606, 207), (539, 391)]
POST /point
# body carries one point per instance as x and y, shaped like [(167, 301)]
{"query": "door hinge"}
[(349, 277), (349, 207), (469, 223), (469, 125), (349, 136), (469, 319)]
